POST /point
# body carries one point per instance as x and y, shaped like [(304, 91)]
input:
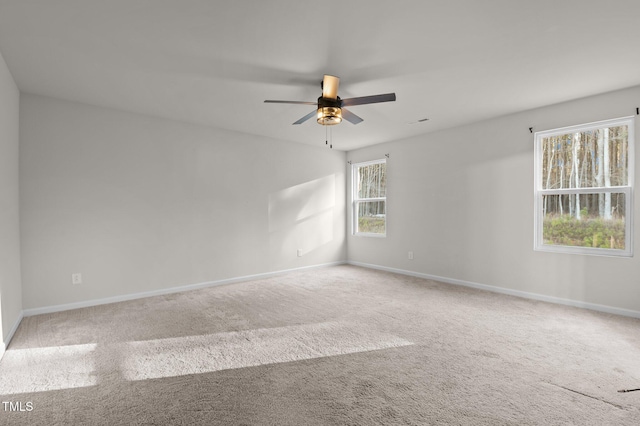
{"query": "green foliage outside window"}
[(597, 232), (374, 225)]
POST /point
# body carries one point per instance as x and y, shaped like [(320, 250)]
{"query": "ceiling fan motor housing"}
[(329, 111)]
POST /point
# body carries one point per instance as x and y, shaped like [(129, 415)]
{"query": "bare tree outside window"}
[(583, 187), (370, 198)]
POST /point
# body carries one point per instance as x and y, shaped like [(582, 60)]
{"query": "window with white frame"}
[(369, 181), (584, 188)]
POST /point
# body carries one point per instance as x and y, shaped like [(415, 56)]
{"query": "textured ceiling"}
[(214, 62)]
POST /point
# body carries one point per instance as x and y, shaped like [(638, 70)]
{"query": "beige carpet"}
[(331, 346)]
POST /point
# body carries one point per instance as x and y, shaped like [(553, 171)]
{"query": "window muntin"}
[(370, 198), (583, 188)]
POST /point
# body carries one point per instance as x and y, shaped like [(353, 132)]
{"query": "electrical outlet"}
[(76, 278), (410, 255), (299, 252)]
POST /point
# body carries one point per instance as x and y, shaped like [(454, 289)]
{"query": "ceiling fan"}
[(330, 109)]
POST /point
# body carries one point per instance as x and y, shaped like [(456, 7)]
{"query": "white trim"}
[(539, 192), (370, 234), (370, 162), (5, 344), (613, 122), (586, 189), (494, 289), (510, 292), (355, 200), (164, 291)]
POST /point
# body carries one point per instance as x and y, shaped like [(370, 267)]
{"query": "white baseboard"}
[(122, 298), (5, 344), (511, 292), (160, 292)]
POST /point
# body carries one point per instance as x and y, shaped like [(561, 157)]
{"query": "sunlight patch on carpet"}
[(46, 369), (249, 348)]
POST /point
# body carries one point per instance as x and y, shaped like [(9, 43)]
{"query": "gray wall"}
[(462, 201), (10, 287), (139, 204)]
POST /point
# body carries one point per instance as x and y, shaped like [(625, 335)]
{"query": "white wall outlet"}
[(299, 252), (410, 255), (76, 278)]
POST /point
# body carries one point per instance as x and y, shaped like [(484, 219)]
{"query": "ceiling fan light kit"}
[(329, 116)]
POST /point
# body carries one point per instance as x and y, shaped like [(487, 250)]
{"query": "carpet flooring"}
[(331, 346)]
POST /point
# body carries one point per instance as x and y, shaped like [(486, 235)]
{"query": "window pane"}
[(589, 159), (372, 181), (585, 220), (372, 217)]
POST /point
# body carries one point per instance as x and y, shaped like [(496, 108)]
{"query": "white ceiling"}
[(214, 63)]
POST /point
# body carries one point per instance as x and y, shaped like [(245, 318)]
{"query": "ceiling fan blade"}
[(306, 117), (330, 85), (350, 117), (290, 102), (374, 99)]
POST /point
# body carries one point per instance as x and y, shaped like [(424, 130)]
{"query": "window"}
[(583, 188), (369, 182)]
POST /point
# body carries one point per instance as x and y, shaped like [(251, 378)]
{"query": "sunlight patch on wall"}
[(300, 202), (46, 369), (302, 217), (249, 348)]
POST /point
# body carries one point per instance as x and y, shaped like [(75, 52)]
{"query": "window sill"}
[(588, 251), (368, 234)]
